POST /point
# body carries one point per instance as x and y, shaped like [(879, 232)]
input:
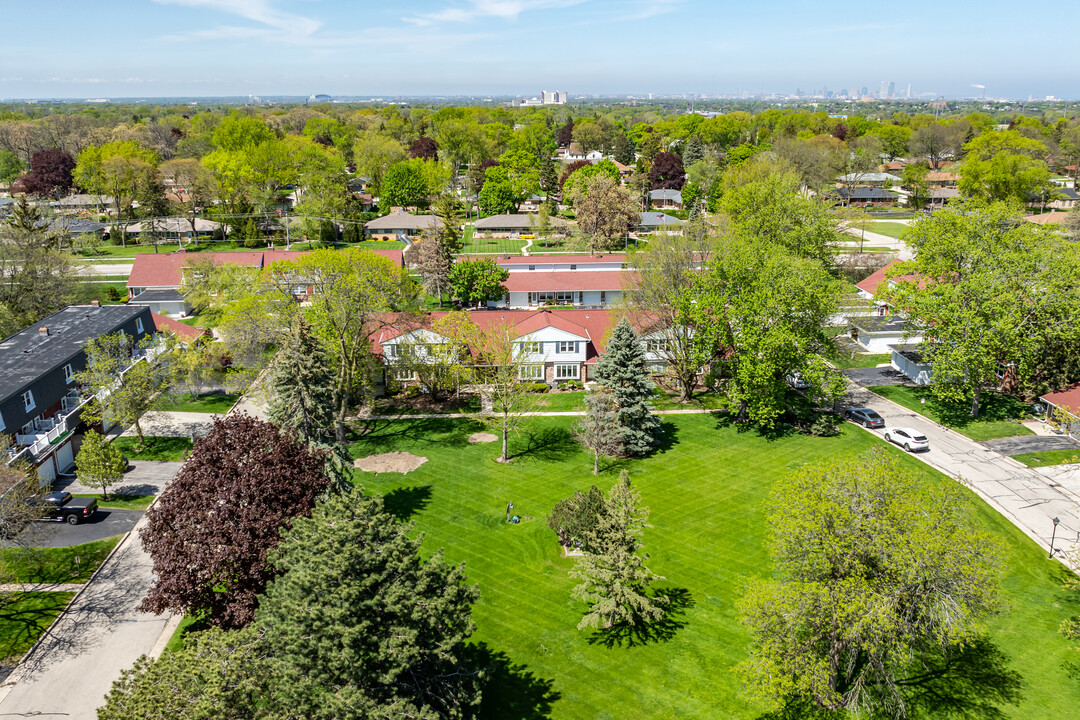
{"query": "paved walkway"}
[(157, 423), (1032, 443), (552, 413), (874, 239), (41, 587), (1027, 498)]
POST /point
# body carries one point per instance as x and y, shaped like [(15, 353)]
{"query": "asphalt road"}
[(868, 377), (104, 523), (1032, 443)]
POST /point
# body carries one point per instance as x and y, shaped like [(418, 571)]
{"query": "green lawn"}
[(156, 448), (892, 229), (24, 617), (565, 401), (705, 488), (122, 502), (997, 414), (847, 360), (473, 245), (1049, 457), (89, 291), (421, 405), (205, 403), (73, 564), (199, 321)]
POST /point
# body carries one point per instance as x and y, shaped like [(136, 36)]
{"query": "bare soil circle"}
[(482, 437), (398, 462)]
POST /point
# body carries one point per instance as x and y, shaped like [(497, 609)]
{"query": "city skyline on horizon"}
[(475, 48)]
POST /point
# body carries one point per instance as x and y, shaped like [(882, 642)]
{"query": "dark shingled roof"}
[(157, 295), (29, 354)]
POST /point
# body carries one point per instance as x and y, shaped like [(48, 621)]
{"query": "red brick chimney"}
[(43, 330)]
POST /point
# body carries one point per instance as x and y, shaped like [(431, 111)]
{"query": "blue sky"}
[(142, 48)]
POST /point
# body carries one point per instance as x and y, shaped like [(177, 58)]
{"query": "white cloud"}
[(504, 9), (282, 25)]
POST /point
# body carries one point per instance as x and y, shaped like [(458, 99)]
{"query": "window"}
[(532, 347), (573, 267), (391, 350), (1, 422), (402, 374), (532, 267), (603, 297), (656, 346), (69, 375), (656, 368), (138, 325), (566, 372), (28, 400), (531, 372), (566, 346)]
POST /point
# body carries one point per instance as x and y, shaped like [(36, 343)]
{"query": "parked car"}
[(865, 417), (909, 439), (64, 507)]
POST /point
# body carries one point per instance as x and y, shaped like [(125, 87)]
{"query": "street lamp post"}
[(1052, 536)]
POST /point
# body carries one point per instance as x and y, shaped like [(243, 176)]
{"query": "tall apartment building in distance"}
[(547, 97), (887, 89)]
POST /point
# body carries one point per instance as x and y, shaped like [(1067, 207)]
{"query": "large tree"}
[(606, 213), (871, 588), (1005, 166), (351, 292), (123, 387), (301, 386), (664, 298), (50, 173), (763, 311), (403, 185), (498, 360), (615, 581), (478, 281), (622, 369), (360, 625), (36, 278), (211, 530), (667, 172), (985, 288), (193, 184), (118, 170)]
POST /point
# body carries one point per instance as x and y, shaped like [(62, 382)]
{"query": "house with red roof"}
[(1063, 408), (556, 345), (575, 288), (156, 278), (184, 333)]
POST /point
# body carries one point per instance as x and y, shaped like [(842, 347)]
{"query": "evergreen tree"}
[(615, 579), (100, 463), (448, 234), (622, 368), (26, 217), (623, 149), (360, 626), (693, 151), (302, 386), (599, 430)]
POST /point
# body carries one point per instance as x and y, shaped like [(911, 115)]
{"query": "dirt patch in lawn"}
[(482, 438), (399, 462)]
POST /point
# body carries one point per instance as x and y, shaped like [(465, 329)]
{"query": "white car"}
[(907, 438)]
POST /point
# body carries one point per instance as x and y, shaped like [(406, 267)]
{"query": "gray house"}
[(650, 221), (40, 404), (400, 224)]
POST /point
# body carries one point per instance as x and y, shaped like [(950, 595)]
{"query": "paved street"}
[(105, 523), (868, 377), (1028, 498), (101, 634)]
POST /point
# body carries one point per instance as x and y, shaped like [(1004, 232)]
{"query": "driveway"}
[(1031, 443), (868, 377), (144, 477), (157, 423), (105, 523), (1027, 498)]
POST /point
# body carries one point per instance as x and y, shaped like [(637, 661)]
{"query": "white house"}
[(579, 288)]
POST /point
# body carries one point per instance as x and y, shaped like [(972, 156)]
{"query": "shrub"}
[(112, 294), (413, 391), (538, 387), (573, 385)]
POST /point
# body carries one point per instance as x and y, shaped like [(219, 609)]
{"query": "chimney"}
[(43, 330), (95, 303)]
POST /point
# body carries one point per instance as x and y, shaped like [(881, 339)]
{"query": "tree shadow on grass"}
[(668, 437), (510, 691), (383, 435), (404, 502), (552, 444), (969, 683), (678, 601)]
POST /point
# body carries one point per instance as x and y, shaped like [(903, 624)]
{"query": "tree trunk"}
[(742, 416), (503, 458), (975, 402), (138, 429), (339, 427)]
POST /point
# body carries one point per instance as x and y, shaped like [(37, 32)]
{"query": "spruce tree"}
[(622, 368), (615, 579), (599, 430), (302, 386), (360, 625)]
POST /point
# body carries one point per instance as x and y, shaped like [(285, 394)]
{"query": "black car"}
[(866, 417), (64, 507)]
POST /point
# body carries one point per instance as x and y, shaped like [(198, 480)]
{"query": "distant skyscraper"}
[(887, 88), (909, 91), (864, 91)]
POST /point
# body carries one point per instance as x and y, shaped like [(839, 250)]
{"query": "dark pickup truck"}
[(63, 507)]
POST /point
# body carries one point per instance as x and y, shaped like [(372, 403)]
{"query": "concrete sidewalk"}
[(1029, 499), (551, 413)]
